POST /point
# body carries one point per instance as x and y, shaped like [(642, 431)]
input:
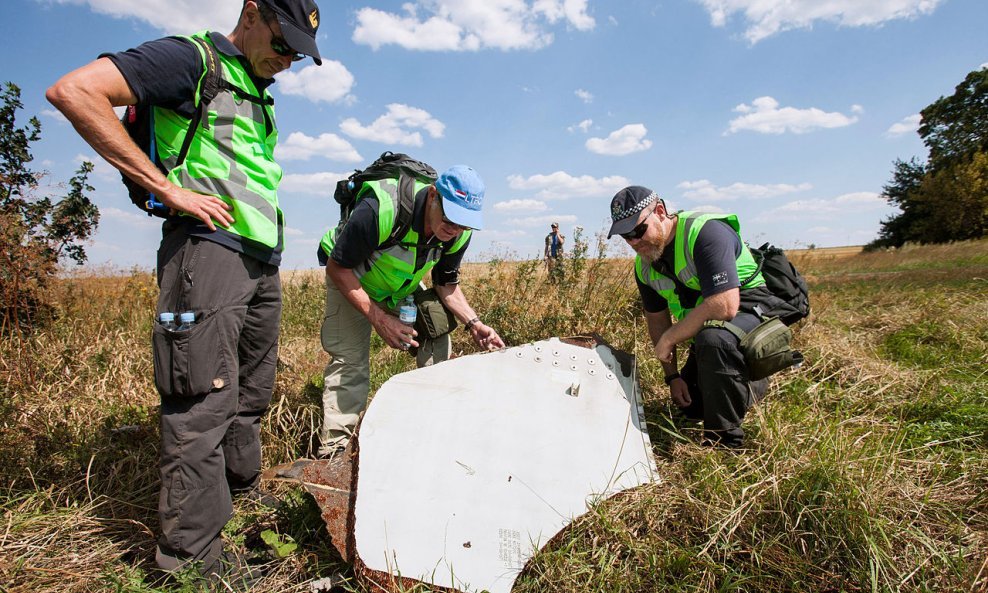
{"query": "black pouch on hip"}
[(434, 319), (766, 348)]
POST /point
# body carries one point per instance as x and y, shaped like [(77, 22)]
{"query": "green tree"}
[(35, 232), (955, 127), (946, 198), (907, 176)]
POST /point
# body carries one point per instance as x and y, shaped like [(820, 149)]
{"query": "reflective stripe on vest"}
[(231, 155), (688, 228), (390, 274)]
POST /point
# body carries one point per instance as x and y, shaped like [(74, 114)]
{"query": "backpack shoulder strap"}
[(212, 83), (406, 211)]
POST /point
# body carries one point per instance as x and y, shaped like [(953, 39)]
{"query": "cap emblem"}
[(617, 213), (314, 18)]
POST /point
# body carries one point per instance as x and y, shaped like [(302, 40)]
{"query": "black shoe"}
[(232, 572), (333, 453)]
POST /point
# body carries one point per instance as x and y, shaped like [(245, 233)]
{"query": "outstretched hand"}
[(485, 336)]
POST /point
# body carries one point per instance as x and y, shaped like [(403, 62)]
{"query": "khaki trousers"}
[(345, 336)]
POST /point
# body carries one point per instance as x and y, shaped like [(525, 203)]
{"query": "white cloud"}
[(629, 139), (819, 208), (469, 25), (130, 218), (293, 232), (765, 18), (315, 184), (561, 185), (171, 16), (330, 83), (584, 126), (394, 127), (708, 208), (583, 95), (300, 147), (55, 114), (765, 117), (516, 205), (534, 221), (908, 125), (707, 191), (983, 66)]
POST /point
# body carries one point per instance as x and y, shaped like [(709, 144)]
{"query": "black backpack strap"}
[(212, 85), (760, 259), (406, 211)]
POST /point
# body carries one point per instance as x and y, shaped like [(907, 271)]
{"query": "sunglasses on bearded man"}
[(640, 229)]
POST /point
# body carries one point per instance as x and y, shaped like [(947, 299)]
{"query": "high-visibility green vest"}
[(687, 229), (231, 155), (389, 275)]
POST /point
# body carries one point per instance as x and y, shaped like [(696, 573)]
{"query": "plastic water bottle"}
[(167, 321), (186, 320), (407, 312)]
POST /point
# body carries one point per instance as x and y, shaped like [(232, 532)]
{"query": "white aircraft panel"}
[(468, 467)]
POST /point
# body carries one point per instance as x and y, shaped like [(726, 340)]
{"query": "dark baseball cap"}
[(299, 20), (626, 205)]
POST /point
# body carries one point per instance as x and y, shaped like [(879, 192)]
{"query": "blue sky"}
[(788, 112)]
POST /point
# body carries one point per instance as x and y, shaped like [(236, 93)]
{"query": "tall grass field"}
[(865, 470)]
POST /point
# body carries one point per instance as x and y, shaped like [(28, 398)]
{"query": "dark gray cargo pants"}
[(215, 383), (717, 378)]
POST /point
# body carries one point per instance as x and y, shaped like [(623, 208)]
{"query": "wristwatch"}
[(470, 324), (670, 378)]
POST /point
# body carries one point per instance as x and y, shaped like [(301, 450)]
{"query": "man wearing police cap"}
[(220, 251), (695, 267)]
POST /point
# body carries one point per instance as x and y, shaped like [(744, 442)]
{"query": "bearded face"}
[(651, 245)]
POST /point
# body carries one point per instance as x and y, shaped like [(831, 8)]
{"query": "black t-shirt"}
[(715, 252), (358, 240), (165, 73)]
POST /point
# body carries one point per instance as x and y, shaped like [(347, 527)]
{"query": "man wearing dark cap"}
[(366, 281), (696, 268), (553, 247), (220, 250)]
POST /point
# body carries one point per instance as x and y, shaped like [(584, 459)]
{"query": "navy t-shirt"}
[(165, 73), (715, 252), (358, 240)]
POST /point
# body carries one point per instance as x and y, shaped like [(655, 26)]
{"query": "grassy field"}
[(866, 470)]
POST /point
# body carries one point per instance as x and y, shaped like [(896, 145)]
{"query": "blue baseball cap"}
[(462, 191)]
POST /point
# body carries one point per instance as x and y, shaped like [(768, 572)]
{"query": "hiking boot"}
[(332, 452), (232, 572)]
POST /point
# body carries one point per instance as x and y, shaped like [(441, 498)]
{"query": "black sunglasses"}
[(281, 47), (447, 221), (639, 230)]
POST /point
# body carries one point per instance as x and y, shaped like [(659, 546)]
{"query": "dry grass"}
[(866, 470)]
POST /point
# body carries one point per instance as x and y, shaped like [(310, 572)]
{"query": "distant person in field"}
[(219, 254), (690, 266), (553, 247), (365, 284)]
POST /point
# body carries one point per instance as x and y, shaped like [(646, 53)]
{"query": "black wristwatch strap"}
[(670, 378)]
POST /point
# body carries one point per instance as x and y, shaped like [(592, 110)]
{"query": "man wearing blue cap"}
[(366, 280), (220, 250)]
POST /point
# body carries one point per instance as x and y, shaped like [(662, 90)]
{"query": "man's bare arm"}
[(87, 97)]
